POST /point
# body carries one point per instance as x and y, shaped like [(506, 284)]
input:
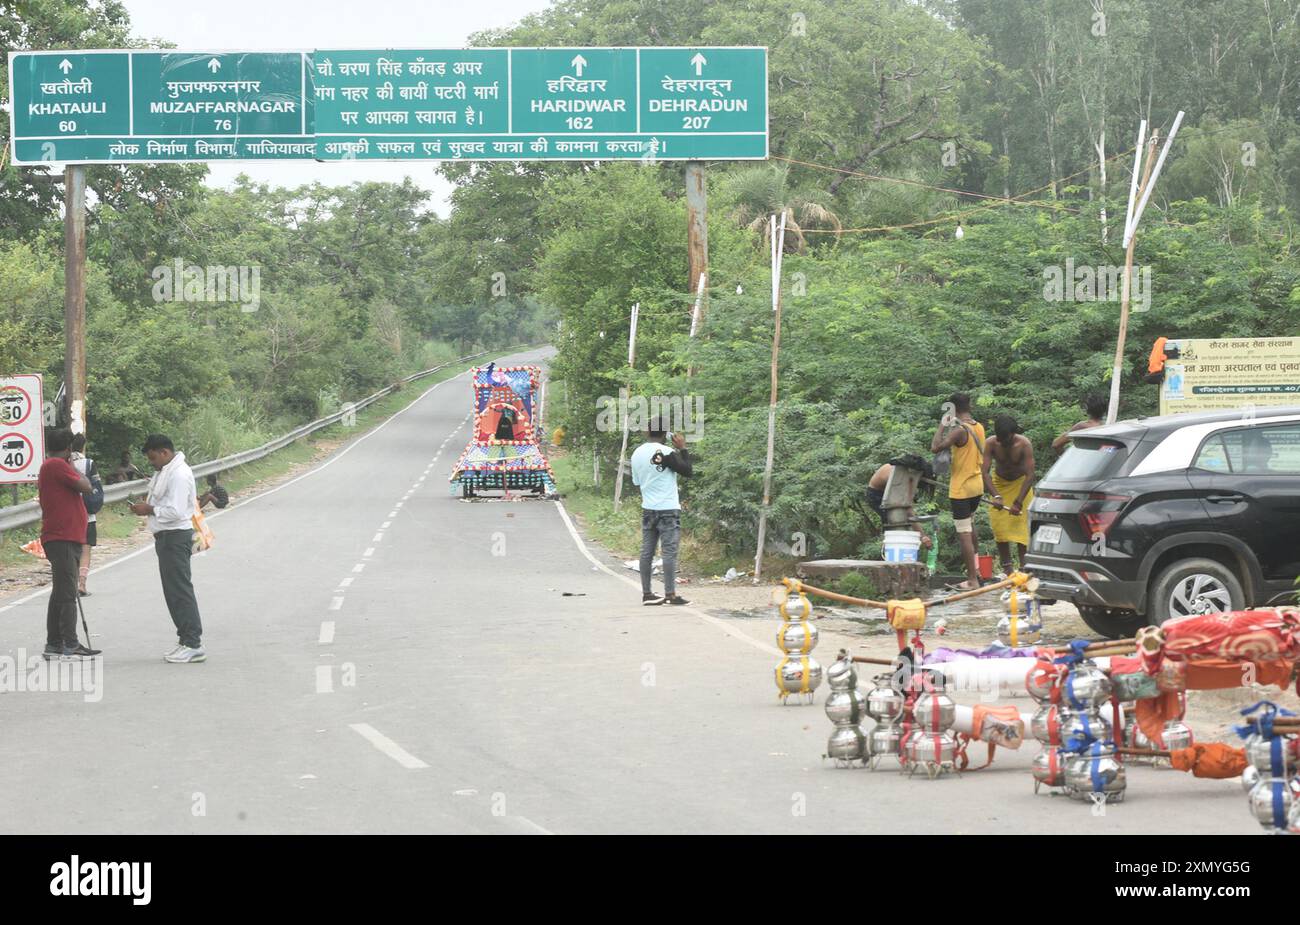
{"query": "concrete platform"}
[(891, 579)]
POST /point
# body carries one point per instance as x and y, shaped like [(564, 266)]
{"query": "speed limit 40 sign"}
[(22, 430)]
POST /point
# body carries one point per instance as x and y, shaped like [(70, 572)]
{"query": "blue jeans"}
[(662, 528)]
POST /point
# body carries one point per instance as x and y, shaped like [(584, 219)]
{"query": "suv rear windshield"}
[(1086, 460)]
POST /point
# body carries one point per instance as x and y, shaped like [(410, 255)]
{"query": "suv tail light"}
[(1100, 511)]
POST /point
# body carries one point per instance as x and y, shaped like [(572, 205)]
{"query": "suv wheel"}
[(1112, 622), (1195, 586)]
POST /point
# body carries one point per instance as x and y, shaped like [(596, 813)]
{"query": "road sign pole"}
[(697, 231), (74, 293)]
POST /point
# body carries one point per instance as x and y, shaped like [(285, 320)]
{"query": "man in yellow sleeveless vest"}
[(964, 436)]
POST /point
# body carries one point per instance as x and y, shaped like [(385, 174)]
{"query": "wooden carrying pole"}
[(631, 361), (777, 235)]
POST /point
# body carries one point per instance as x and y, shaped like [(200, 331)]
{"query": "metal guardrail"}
[(21, 515)]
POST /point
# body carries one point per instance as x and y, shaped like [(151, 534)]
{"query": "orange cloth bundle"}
[(906, 615), (1210, 759)]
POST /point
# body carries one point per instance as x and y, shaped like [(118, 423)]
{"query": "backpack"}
[(95, 500)]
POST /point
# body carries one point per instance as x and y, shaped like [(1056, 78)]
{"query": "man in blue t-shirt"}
[(655, 468)]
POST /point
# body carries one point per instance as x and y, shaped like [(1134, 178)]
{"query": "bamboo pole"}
[(974, 592), (834, 596), (1144, 752), (1117, 370)]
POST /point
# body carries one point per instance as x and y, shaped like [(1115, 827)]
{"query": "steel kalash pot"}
[(1022, 624), (1272, 802), (798, 672), (1095, 773), (1132, 736), (1092, 767), (846, 708), (1177, 734), (1273, 792), (930, 746), (884, 705), (1048, 767)]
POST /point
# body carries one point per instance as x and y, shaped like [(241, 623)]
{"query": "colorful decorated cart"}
[(505, 452)]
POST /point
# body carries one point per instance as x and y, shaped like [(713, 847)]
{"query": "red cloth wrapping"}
[(1253, 635)]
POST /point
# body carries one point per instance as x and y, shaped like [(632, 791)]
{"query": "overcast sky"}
[(266, 25)]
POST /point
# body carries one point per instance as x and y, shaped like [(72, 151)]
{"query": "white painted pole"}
[(778, 246), (1117, 371), (1133, 184), (1164, 152), (699, 301), (631, 359)]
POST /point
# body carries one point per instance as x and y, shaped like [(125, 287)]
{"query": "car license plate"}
[(1047, 536)]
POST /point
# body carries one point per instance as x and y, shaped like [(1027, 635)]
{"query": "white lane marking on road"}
[(526, 825), (358, 567), (385, 525), (336, 604), (370, 551), (392, 513), (387, 746), (378, 537), (270, 491), (324, 679), (707, 618), (399, 504), (346, 582), (326, 633)]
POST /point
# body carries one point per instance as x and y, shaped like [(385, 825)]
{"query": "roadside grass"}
[(701, 554), (116, 522)]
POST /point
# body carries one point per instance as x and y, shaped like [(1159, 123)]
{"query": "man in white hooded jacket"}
[(170, 508)]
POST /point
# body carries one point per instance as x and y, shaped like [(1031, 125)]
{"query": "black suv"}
[(1144, 520)]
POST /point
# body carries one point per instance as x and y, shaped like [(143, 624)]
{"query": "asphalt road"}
[(385, 658)]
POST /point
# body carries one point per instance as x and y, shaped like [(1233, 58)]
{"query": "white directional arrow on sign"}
[(214, 65), (65, 65), (699, 61), (578, 62)]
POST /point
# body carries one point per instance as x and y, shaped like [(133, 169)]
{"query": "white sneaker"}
[(173, 650), (186, 654)]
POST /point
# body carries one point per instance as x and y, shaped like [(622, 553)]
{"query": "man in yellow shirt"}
[(959, 432)]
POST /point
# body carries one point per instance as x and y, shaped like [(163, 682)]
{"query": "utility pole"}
[(777, 234), (697, 234), (626, 398), (74, 294)]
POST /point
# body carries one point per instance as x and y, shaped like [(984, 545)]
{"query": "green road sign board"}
[(342, 104), (542, 104), (119, 106)]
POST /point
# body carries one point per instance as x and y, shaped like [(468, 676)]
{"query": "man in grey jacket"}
[(170, 508)]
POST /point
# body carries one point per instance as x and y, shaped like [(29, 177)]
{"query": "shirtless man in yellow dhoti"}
[(1010, 456)]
